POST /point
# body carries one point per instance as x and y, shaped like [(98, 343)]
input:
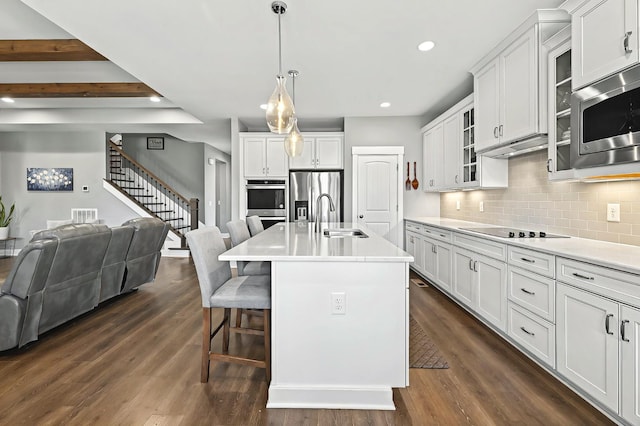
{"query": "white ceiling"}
[(218, 60)]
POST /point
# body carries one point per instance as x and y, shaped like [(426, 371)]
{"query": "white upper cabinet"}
[(320, 152), (604, 39), (510, 84), (451, 151), (432, 144), (264, 156)]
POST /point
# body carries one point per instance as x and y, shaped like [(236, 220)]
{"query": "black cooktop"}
[(513, 233)]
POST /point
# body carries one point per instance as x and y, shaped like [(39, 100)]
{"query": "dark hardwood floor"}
[(136, 361)]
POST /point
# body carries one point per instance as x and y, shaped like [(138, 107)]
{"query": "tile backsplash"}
[(533, 202)]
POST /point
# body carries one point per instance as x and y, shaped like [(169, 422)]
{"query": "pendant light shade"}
[(280, 113), (294, 143)]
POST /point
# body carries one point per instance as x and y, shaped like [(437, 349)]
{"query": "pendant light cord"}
[(293, 92), (279, 45)]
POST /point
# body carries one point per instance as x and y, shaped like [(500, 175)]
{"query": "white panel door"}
[(451, 149), (587, 352), (519, 106), (307, 159), (630, 364), (254, 157), (486, 88), (329, 153), (491, 290), (598, 32), (377, 194), (462, 283), (277, 159)]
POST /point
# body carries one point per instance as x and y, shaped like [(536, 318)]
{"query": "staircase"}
[(150, 193)]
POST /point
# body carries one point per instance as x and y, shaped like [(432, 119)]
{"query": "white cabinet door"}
[(432, 155), (410, 244), (587, 352), (451, 151), (429, 253), (630, 364), (255, 157), (307, 159), (418, 256), (443, 265), (598, 30), (486, 97), (491, 289), (519, 89), (329, 152), (463, 276), (276, 158)]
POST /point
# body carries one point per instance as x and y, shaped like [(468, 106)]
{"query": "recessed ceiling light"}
[(263, 106), (425, 46), (7, 100), (385, 105), (154, 98)]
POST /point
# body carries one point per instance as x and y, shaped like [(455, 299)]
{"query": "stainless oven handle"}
[(272, 217), (266, 187)]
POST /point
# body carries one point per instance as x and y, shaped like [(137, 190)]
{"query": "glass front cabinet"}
[(558, 161), (469, 160)]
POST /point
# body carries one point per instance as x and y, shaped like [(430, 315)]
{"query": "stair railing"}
[(151, 193)]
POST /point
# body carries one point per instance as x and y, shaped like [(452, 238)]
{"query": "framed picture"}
[(41, 179), (155, 143)]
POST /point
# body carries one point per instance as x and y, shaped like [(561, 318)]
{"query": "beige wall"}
[(570, 208)]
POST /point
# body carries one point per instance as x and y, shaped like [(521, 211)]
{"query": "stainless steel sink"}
[(343, 233)]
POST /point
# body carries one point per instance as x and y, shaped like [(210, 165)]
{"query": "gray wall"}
[(210, 198), (179, 164), (82, 151), (391, 131)]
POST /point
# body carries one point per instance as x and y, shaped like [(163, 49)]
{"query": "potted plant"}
[(5, 220)]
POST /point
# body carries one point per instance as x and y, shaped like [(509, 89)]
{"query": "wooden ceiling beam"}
[(76, 90), (47, 50)]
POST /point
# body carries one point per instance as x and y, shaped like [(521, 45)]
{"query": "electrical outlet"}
[(338, 303), (613, 212), (481, 206), (457, 204)]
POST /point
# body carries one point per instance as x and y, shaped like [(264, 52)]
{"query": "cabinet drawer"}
[(535, 261), (536, 335), (531, 291), (482, 246), (612, 283), (410, 226), (436, 233)]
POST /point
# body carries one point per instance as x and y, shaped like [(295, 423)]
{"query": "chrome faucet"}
[(332, 208)]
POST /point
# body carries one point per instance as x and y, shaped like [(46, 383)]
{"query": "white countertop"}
[(297, 242), (618, 256)]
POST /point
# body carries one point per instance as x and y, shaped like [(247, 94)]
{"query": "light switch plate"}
[(457, 204), (613, 212)]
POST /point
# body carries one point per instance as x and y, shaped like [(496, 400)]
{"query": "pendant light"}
[(280, 113), (293, 143)]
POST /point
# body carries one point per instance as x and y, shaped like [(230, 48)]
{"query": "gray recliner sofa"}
[(67, 271)]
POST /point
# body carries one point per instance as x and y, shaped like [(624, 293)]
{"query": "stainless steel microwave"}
[(605, 121)]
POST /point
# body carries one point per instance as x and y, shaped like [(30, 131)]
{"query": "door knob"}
[(361, 216)]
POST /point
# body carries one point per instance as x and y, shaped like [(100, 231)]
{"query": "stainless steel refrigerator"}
[(304, 189)]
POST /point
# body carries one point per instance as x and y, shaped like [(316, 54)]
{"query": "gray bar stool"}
[(219, 290)]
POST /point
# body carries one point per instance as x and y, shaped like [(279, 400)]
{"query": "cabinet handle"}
[(606, 323), (456, 179), (527, 260), (475, 266), (622, 330), (264, 170), (500, 129), (443, 236), (549, 165), (584, 277), (435, 249), (626, 42), (495, 132), (471, 264), (527, 331), (532, 293), (267, 170)]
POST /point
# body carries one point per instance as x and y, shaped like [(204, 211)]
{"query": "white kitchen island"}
[(339, 316)]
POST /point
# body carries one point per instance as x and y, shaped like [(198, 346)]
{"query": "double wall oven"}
[(266, 199)]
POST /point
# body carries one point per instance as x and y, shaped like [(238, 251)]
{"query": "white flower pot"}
[(4, 232)]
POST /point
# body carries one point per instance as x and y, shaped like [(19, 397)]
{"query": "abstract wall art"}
[(42, 179)]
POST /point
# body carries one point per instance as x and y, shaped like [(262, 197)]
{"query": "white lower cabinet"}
[(533, 333), (481, 283), (437, 262), (414, 247), (630, 363)]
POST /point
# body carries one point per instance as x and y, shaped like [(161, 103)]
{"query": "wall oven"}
[(605, 121), (266, 199)]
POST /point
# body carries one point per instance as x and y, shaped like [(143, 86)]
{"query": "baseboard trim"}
[(369, 398)]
